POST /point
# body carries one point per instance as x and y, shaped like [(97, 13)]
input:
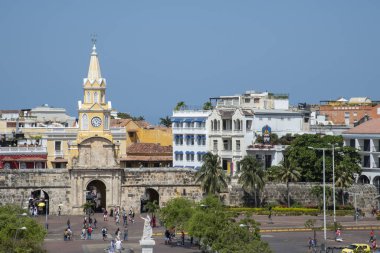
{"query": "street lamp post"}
[(333, 182), (46, 216), (324, 194)]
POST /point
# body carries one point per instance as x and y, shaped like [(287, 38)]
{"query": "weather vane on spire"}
[(93, 39)]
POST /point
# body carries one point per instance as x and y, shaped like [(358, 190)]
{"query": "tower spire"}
[(94, 68)]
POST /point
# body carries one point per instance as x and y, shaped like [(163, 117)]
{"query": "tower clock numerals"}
[(96, 121)]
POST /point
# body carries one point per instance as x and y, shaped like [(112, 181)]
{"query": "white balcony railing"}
[(58, 154), (19, 150)]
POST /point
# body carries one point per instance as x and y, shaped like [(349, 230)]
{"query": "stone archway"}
[(40, 202), (96, 193), (150, 196), (363, 179), (376, 183)]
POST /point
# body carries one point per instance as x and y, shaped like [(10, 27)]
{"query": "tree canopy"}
[(14, 237), (211, 175), (311, 160)]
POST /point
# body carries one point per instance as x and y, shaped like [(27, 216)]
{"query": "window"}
[(200, 157), (248, 125), (190, 157), (84, 122), (201, 140), (355, 114), (179, 157), (57, 146), (190, 140), (215, 145), (226, 145), (366, 161), (88, 100), (366, 145), (22, 165), (352, 143), (227, 124), (256, 100), (237, 145), (247, 100), (179, 139), (106, 125), (96, 98), (268, 161)]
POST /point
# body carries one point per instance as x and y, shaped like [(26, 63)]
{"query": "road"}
[(291, 238)]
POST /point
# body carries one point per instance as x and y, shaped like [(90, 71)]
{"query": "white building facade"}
[(189, 138), (366, 139)]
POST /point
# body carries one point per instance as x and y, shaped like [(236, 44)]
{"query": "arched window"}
[(84, 122), (88, 100), (376, 183), (106, 125), (102, 100), (96, 98)]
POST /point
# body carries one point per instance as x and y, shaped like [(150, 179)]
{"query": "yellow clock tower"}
[(95, 146), (94, 112)]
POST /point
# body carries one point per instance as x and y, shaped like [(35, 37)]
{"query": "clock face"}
[(96, 121)]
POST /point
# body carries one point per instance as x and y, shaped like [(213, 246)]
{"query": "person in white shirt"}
[(118, 246)]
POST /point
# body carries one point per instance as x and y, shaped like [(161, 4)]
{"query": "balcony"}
[(58, 154), (22, 150)]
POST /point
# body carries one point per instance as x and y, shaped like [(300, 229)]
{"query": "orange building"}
[(349, 112)]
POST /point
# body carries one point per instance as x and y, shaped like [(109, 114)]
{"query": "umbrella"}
[(41, 204), (60, 205)]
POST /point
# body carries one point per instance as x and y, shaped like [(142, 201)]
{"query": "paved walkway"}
[(57, 224)]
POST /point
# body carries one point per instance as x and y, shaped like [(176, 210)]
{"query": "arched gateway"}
[(150, 196), (96, 193)]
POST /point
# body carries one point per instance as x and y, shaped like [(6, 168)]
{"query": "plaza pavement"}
[(283, 233)]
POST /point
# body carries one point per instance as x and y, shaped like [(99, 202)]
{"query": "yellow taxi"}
[(357, 248)]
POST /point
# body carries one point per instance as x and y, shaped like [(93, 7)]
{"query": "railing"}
[(58, 153), (9, 150)]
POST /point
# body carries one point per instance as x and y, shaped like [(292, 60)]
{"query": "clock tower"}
[(94, 112), (95, 146)]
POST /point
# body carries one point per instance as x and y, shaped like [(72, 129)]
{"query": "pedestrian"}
[(118, 246), (59, 210), (117, 219), (95, 222), (89, 232), (104, 233), (69, 234), (111, 248), (90, 221), (167, 236), (125, 233), (117, 233), (371, 235), (182, 237), (111, 212), (68, 223), (373, 245), (133, 216), (65, 235), (105, 215), (154, 221), (83, 234)]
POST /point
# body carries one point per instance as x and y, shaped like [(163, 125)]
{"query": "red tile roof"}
[(149, 148), (144, 158), (369, 127)]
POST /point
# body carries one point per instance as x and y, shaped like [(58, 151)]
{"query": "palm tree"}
[(211, 174), (251, 175), (343, 180), (166, 121), (207, 106), (180, 105), (286, 173)]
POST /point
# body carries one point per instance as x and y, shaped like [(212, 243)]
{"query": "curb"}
[(279, 230)]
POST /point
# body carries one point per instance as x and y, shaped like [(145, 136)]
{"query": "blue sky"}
[(156, 53)]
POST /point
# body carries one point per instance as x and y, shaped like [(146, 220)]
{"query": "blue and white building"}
[(189, 138)]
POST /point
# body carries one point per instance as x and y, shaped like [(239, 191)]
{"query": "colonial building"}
[(190, 138), (366, 139)]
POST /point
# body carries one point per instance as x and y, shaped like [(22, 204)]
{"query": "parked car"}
[(357, 248)]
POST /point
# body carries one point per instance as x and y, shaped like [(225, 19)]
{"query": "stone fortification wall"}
[(16, 187), (301, 193), (167, 182)]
